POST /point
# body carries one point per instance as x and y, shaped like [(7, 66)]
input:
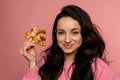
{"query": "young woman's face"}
[(69, 37)]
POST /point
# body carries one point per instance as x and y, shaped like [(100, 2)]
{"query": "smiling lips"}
[(68, 46)]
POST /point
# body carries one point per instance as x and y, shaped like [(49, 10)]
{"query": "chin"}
[(68, 52)]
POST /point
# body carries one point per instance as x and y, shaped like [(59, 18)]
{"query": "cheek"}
[(78, 40), (59, 39)]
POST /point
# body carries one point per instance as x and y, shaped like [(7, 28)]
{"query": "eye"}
[(61, 33), (75, 32)]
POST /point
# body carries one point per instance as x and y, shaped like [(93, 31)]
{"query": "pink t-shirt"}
[(102, 72)]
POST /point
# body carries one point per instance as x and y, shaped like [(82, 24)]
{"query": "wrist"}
[(32, 64)]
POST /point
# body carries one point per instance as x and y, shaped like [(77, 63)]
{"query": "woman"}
[(76, 52)]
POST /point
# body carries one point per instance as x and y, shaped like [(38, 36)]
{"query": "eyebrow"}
[(72, 29), (60, 30), (75, 29)]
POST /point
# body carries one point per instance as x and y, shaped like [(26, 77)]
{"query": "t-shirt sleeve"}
[(32, 74), (103, 71)]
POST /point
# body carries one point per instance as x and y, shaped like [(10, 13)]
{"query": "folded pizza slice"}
[(36, 36)]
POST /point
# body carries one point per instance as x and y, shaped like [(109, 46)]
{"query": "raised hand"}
[(28, 51)]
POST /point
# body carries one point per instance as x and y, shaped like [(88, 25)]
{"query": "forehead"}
[(68, 23)]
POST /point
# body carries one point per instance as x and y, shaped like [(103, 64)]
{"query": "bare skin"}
[(28, 51)]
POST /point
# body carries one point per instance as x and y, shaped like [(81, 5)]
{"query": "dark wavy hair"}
[(92, 47)]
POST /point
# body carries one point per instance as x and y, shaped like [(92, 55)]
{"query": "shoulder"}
[(100, 64), (102, 71)]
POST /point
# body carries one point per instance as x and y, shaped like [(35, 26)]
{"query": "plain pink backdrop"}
[(18, 16)]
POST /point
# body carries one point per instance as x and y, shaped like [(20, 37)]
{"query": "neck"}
[(69, 58)]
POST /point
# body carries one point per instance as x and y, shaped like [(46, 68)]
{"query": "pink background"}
[(18, 16)]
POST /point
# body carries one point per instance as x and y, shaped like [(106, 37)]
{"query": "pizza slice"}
[(36, 36)]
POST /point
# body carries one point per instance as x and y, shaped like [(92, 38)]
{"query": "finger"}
[(21, 51), (27, 48), (28, 45), (28, 51), (28, 42), (28, 56)]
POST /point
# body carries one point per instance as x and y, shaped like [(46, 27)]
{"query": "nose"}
[(67, 38)]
